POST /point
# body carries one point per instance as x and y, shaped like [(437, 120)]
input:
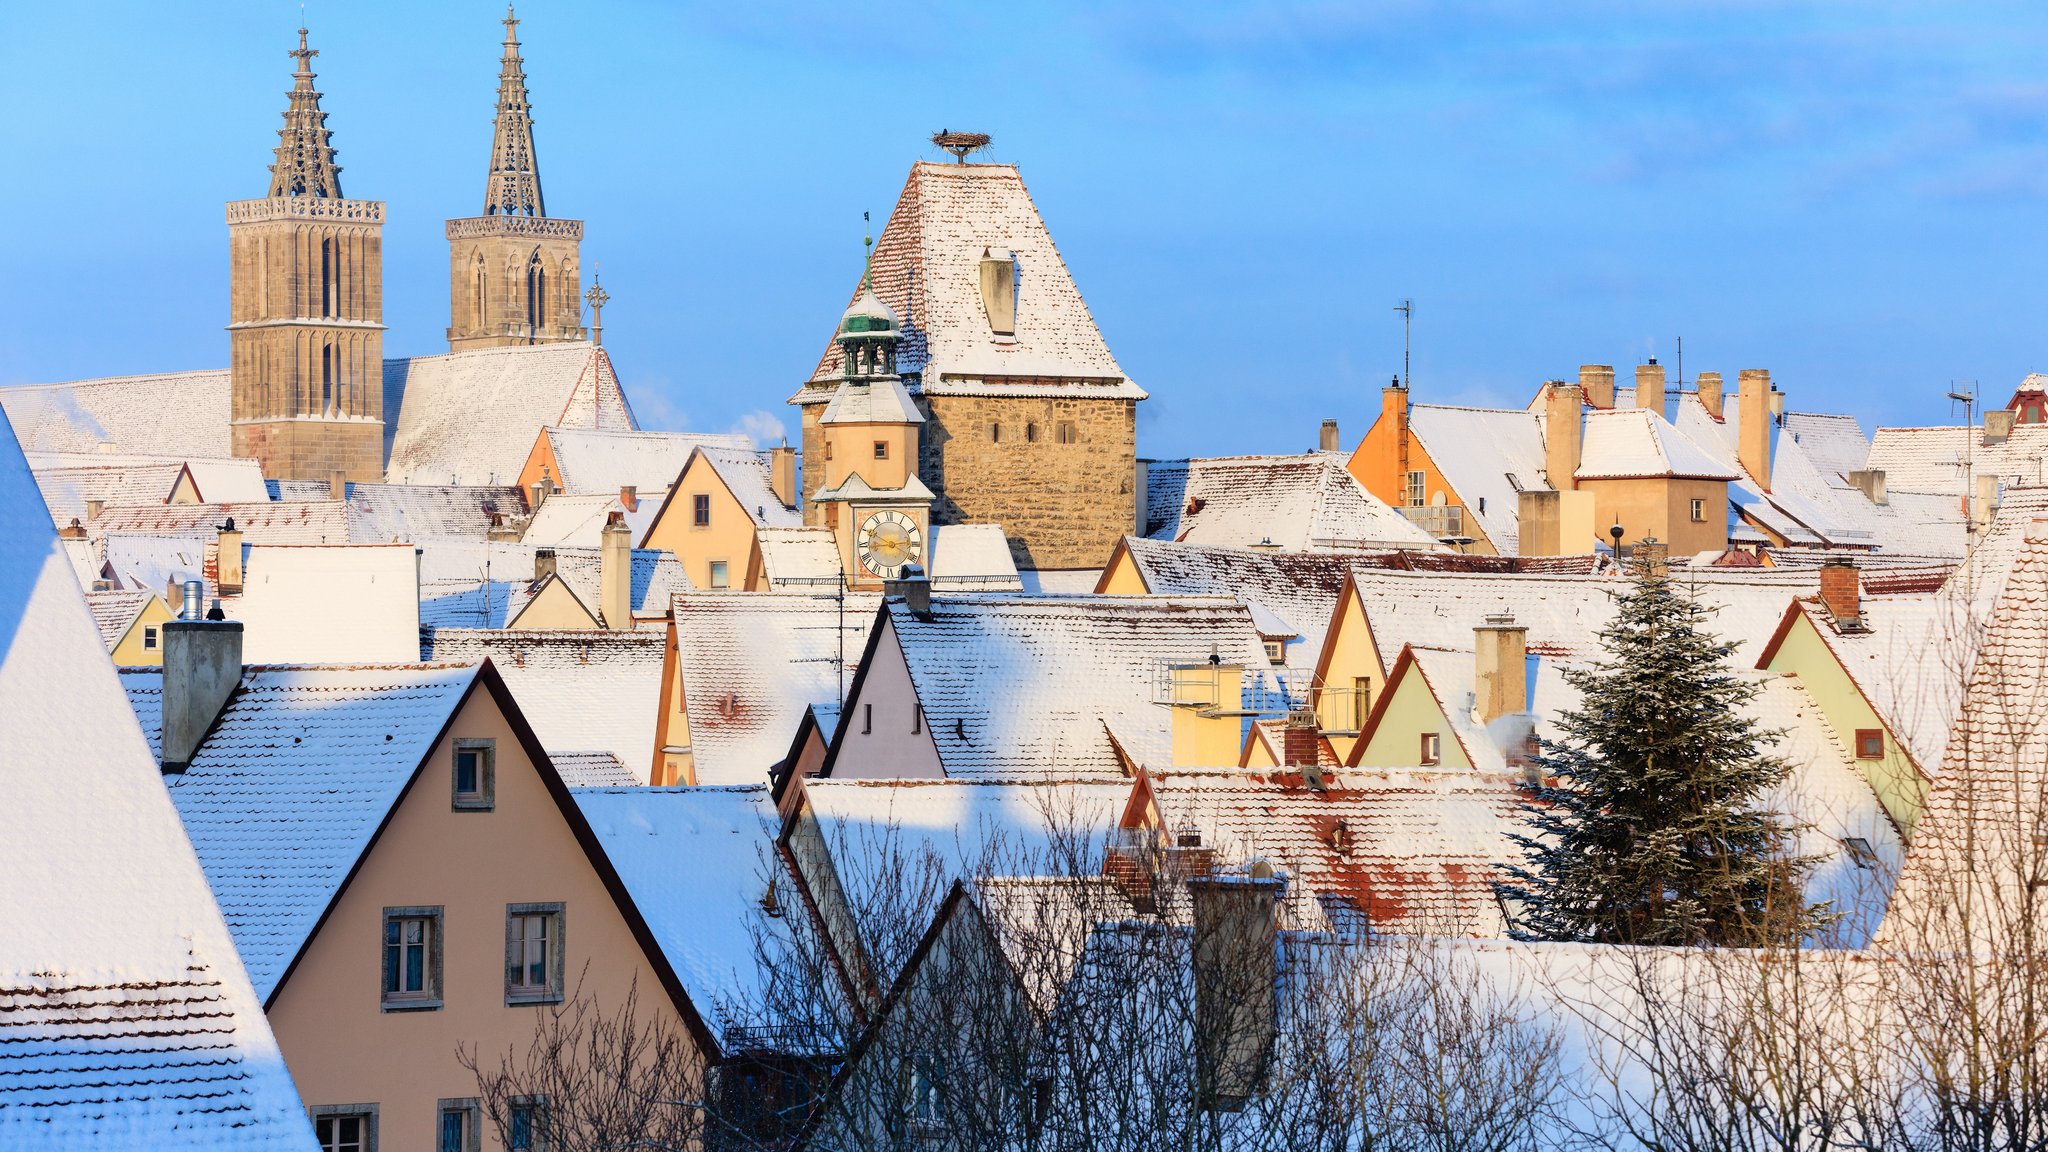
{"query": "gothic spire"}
[(514, 187), (305, 158)]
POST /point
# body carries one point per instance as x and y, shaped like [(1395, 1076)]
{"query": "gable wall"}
[(343, 1048), (879, 742), (1350, 653), (1377, 465), (1397, 741), (729, 537), (555, 607), (1898, 784), (130, 652), (1122, 578)]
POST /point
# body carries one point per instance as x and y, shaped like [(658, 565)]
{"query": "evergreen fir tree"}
[(1651, 830)]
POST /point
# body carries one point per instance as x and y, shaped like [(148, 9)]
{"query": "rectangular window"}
[(1870, 743), (527, 1124), (474, 786), (916, 719), (1064, 432), (881, 449), (460, 1126), (345, 1127), (412, 959), (1699, 511), (1416, 496), (867, 719), (149, 637), (1432, 748), (1276, 652), (533, 953), (1860, 853), (700, 510), (721, 574)]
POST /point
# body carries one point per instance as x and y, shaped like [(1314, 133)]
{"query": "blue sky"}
[(1849, 194)]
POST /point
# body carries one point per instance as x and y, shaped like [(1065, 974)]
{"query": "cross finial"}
[(511, 23), (597, 298), (304, 55)]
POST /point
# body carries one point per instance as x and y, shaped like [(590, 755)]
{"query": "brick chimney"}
[(1597, 382), (1300, 739), (1328, 441), (1753, 436), (228, 559), (629, 497), (782, 474), (1562, 434), (1652, 556), (543, 563), (202, 666), (615, 574), (1236, 920), (1500, 667), (1998, 425), (1710, 393), (1650, 386), (1841, 593)]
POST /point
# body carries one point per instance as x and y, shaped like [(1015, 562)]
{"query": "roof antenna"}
[(1407, 310)]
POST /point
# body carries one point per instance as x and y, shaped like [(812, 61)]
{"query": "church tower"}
[(306, 309), (513, 274), (871, 498)]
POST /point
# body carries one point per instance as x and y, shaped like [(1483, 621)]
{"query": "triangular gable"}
[(554, 595), (1404, 665), (1123, 575), (852, 716), (184, 488)]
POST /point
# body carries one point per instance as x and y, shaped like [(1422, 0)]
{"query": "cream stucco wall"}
[(885, 736), (1413, 710), (672, 729), (130, 651), (1209, 734), (555, 607), (343, 1048), (1899, 785), (851, 452), (1122, 578), (1349, 652), (729, 537), (1662, 507)]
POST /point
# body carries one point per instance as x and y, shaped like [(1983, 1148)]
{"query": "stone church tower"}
[(306, 309), (513, 273)]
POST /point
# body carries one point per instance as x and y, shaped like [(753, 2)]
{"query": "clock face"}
[(887, 541)]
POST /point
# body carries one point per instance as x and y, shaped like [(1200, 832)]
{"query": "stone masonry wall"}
[(1000, 460)]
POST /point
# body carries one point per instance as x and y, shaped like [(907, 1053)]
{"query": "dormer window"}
[(999, 291), (1276, 652)]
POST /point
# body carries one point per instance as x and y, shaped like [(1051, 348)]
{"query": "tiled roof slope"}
[(750, 664), (748, 474), (724, 837), (1624, 443), (1298, 587), (1933, 459), (1979, 839), (927, 268), (174, 413), (126, 1018), (594, 690), (1421, 851), (69, 491), (1018, 686), (382, 513), (657, 575), (591, 770), (607, 459), (285, 792), (1295, 502), (1489, 456), (113, 612), (472, 417), (272, 522), (972, 558), (974, 827)]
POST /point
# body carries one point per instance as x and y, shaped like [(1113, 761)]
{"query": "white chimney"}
[(615, 574)]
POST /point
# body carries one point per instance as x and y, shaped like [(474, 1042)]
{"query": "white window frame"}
[(150, 634), (1415, 488), (720, 575), (1699, 511), (518, 953)]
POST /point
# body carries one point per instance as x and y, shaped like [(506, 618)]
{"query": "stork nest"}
[(961, 144)]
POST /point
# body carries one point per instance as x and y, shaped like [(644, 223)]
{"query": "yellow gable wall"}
[(343, 1048), (130, 650), (1350, 654), (729, 537), (1899, 786), (555, 607), (1397, 742), (184, 491), (1122, 577), (672, 730)]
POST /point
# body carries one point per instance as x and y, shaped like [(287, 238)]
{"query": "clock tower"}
[(871, 498)]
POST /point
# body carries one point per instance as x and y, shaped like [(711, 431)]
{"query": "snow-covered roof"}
[(799, 559), (1418, 852), (657, 575), (751, 663), (152, 561), (1300, 588), (856, 487), (591, 770), (282, 796), (184, 414), (69, 492), (1488, 456), (113, 613), (927, 268), (269, 522), (383, 513), (1294, 502), (608, 459), (126, 1017), (472, 417), (574, 521), (1014, 686), (228, 480), (724, 838), (972, 826), (1936, 459), (1625, 443), (316, 604), (971, 558), (884, 401), (1452, 677), (748, 474), (583, 689)]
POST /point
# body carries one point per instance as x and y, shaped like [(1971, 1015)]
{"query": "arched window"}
[(328, 269), (326, 378), (536, 293), (476, 300)]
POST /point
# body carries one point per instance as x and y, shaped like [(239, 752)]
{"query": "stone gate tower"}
[(306, 309), (513, 274)]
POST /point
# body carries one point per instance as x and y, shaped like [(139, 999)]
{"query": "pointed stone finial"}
[(597, 298), (513, 188), (305, 155)]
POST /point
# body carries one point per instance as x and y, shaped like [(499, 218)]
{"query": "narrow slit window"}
[(1432, 748)]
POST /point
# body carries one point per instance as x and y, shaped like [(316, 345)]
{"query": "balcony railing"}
[(1342, 709), (1439, 520)]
